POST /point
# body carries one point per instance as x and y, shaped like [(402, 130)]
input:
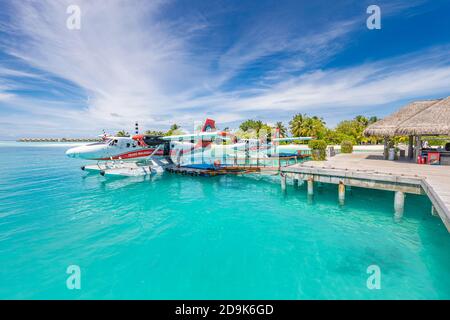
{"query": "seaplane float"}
[(140, 155)]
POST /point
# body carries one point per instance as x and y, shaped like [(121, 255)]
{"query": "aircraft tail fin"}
[(209, 125)]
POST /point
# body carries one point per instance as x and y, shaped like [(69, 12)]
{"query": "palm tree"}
[(362, 120), (251, 125), (281, 128), (122, 133), (174, 130), (302, 125), (154, 133), (373, 119), (296, 125)]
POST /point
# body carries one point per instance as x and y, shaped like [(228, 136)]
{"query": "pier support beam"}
[(341, 192), (295, 181), (410, 147), (385, 148), (283, 182), (310, 186), (433, 211), (399, 204), (417, 146)]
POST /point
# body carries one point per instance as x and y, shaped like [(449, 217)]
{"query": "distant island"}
[(59, 139)]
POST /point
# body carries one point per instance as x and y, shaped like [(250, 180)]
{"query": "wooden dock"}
[(368, 170), (239, 166), (213, 172)]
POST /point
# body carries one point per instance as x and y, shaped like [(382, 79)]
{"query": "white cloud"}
[(369, 84), (126, 63), (5, 96), (132, 64)]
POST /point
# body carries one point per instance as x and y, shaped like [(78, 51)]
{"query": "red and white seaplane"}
[(140, 146), (146, 154)]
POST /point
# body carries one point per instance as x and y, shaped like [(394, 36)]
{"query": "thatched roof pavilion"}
[(434, 120), (389, 126), (419, 118)]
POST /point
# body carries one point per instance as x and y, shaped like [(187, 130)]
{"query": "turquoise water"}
[(181, 237)]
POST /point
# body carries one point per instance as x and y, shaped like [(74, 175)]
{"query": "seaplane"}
[(148, 154), (201, 150), (213, 149), (114, 148)]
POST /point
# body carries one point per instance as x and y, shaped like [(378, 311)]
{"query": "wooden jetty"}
[(368, 170), (239, 166), (213, 172)]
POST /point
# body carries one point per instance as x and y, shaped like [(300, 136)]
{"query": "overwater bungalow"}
[(418, 120)]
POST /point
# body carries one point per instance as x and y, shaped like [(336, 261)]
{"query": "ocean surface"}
[(182, 237)]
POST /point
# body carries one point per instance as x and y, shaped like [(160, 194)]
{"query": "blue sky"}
[(161, 62)]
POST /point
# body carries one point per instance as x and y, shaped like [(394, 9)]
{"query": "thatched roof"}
[(417, 118), (434, 120)]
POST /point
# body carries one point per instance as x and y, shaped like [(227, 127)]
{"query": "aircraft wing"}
[(196, 135), (292, 139)]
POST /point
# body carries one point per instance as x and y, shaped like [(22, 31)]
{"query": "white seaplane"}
[(148, 154), (145, 154)]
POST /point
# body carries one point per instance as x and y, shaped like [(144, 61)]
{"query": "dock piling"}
[(399, 204), (341, 191), (300, 182), (361, 171), (310, 186), (433, 211), (283, 182)]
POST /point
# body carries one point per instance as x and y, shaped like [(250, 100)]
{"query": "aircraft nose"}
[(72, 153)]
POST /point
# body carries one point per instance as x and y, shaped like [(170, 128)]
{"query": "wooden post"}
[(299, 181), (411, 147), (257, 153), (386, 149), (399, 204), (341, 192), (310, 186), (283, 181), (417, 147), (247, 152), (433, 211)]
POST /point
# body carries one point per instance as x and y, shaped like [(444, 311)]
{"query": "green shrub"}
[(318, 149), (346, 146)]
